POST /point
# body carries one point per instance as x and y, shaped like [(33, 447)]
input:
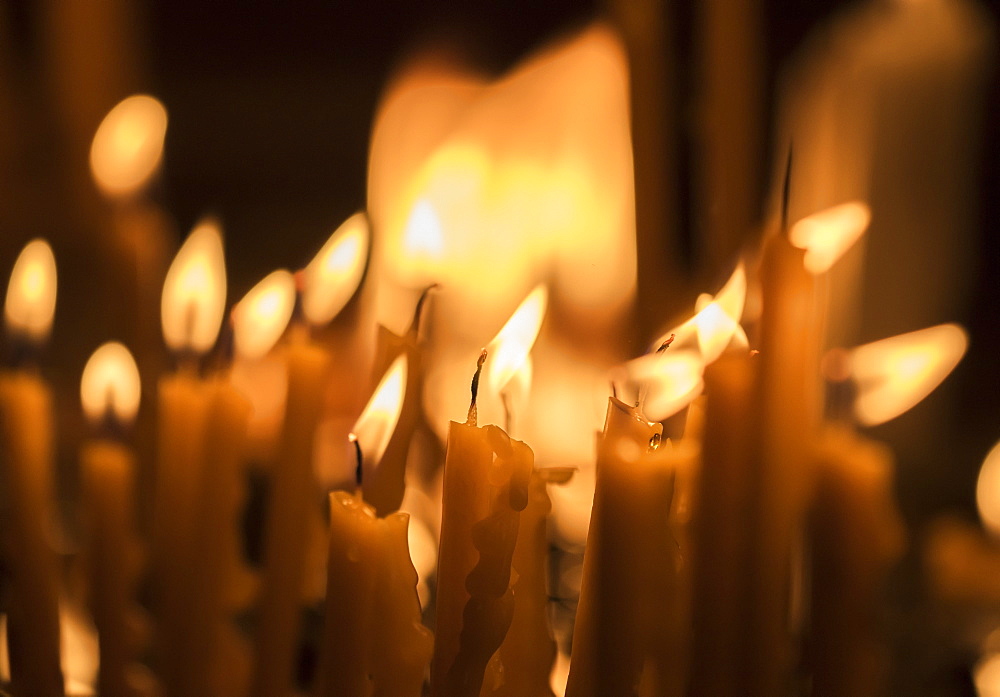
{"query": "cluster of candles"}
[(743, 553)]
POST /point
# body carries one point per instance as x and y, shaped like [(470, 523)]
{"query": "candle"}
[(26, 436), (109, 391)]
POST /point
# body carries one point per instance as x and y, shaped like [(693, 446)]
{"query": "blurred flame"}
[(510, 347), (894, 374), (128, 145), (423, 238), (31, 292), (79, 653), (260, 318), (374, 427), (194, 292), (334, 274), (826, 235), (560, 674), (988, 491), (670, 380), (986, 676), (110, 384)]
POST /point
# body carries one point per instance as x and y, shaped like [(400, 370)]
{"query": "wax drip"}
[(360, 459), (473, 412)]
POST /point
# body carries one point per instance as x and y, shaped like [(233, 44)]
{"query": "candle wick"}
[(418, 311), (786, 189), (666, 344), (473, 412), (190, 318), (644, 389), (359, 459)]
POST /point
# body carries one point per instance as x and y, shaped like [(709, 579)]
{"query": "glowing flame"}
[(194, 292), (894, 374), (128, 145), (423, 237), (334, 274), (78, 650), (31, 293), (110, 384), (986, 676), (988, 491), (670, 380), (828, 234), (509, 349), (374, 427), (260, 318)]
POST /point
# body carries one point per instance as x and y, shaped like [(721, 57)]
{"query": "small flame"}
[(671, 380), (128, 145), (894, 374), (510, 347), (334, 274), (260, 318), (988, 491), (826, 235), (110, 384), (423, 237), (31, 293), (374, 427), (194, 292)]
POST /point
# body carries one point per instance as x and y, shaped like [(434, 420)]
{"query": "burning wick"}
[(471, 419), (645, 386), (666, 344), (359, 468)]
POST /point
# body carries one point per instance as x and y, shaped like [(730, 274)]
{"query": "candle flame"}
[(194, 292), (510, 347), (988, 491), (334, 274), (78, 650), (374, 427), (671, 380), (260, 318), (826, 235), (423, 237), (128, 145), (110, 384), (31, 292), (894, 374), (986, 676)]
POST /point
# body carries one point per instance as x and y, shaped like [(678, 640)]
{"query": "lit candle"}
[(109, 391), (26, 436)]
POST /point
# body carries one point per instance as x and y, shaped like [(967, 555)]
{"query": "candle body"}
[(629, 566), (26, 461), (113, 558), (293, 500), (374, 642), (485, 487), (856, 536)]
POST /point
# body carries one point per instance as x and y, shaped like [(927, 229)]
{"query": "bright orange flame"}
[(260, 318), (510, 347), (194, 292), (31, 292), (894, 374), (988, 491), (334, 274), (670, 380), (128, 145), (110, 384), (374, 427), (828, 234)]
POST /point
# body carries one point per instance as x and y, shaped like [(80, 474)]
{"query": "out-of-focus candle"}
[(109, 391), (128, 145), (26, 473)]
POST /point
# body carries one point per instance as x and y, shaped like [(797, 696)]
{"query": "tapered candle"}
[(110, 390), (26, 462)]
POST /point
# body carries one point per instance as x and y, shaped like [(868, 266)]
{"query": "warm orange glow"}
[(986, 676), (828, 234), (510, 347), (78, 651), (374, 427), (988, 491), (110, 384), (894, 374), (128, 145), (194, 292), (31, 292), (333, 276), (423, 237), (260, 318), (669, 380)]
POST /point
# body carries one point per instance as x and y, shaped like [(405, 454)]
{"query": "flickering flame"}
[(510, 347), (828, 234), (194, 292), (128, 145), (110, 384), (374, 427), (670, 380), (31, 292), (894, 374), (988, 491), (333, 276), (260, 318)]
